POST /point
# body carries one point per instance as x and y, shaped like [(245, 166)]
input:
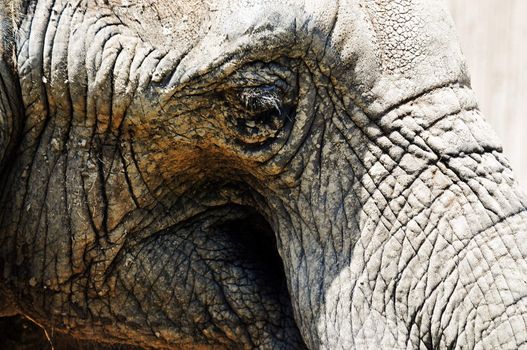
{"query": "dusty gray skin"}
[(145, 143)]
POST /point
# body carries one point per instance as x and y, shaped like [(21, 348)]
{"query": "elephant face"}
[(272, 175)]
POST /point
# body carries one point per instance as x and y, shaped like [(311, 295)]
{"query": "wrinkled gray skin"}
[(145, 144)]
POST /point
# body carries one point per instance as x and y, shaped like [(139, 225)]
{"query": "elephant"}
[(251, 175)]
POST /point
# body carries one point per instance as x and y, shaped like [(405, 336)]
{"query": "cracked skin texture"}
[(251, 175)]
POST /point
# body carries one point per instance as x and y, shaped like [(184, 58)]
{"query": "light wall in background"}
[(493, 36)]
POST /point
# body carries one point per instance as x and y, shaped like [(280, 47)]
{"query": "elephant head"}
[(253, 174)]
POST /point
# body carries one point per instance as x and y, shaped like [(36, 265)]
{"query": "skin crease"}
[(146, 145)]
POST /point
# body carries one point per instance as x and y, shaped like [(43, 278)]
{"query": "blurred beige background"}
[(493, 36)]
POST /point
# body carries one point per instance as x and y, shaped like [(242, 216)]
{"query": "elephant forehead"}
[(388, 46), (217, 26), (164, 23), (168, 24)]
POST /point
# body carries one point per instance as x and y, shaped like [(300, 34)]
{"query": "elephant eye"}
[(259, 113), (261, 99)]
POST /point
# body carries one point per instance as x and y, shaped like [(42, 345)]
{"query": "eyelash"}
[(259, 99)]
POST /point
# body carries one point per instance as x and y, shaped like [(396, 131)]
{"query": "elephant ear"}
[(10, 96)]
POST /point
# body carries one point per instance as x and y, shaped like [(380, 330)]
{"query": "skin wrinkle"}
[(19, 220), (8, 111)]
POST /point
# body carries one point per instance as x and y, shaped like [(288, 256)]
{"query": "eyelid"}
[(261, 98)]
